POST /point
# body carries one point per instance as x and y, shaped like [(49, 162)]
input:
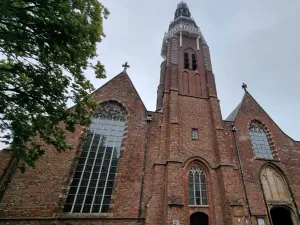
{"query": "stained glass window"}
[(93, 181), (260, 141), (197, 186)]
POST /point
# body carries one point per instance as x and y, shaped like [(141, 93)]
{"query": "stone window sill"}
[(198, 206), (85, 215), (270, 160)]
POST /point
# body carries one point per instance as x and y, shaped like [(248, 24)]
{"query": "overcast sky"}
[(251, 41)]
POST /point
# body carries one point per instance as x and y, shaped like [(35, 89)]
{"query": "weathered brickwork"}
[(5, 157), (187, 99), (288, 152)]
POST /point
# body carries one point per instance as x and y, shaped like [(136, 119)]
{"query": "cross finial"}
[(125, 66), (244, 86)]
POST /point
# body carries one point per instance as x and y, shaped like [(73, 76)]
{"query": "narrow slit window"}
[(186, 61), (194, 62), (93, 181), (194, 134)]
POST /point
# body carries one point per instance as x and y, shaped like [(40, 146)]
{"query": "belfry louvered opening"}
[(93, 181)]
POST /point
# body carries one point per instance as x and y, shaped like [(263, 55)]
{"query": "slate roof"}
[(234, 113)]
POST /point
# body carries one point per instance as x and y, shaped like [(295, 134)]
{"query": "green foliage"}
[(45, 46)]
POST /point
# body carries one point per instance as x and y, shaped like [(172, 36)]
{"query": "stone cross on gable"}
[(125, 66)]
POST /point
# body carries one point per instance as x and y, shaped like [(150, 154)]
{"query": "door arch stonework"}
[(277, 195)]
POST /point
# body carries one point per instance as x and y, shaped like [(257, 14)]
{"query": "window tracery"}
[(197, 186), (93, 181)]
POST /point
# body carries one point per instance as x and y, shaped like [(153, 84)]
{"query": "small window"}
[(194, 134), (194, 62), (186, 61), (261, 221)]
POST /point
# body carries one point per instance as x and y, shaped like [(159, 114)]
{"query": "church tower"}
[(179, 165), (192, 129), (187, 64)]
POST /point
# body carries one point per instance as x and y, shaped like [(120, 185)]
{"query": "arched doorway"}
[(275, 190), (281, 216), (199, 218)]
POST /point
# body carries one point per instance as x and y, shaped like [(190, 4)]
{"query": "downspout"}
[(233, 129), (144, 168)]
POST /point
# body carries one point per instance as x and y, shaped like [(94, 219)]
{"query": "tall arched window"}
[(194, 62), (197, 186), (260, 141), (92, 184), (186, 61)]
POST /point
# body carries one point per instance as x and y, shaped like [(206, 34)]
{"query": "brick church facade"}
[(180, 165)]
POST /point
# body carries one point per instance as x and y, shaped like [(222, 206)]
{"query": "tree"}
[(45, 46)]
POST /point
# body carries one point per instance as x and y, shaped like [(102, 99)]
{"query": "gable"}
[(250, 109), (121, 89)]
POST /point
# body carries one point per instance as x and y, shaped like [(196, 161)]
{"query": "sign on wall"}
[(176, 222)]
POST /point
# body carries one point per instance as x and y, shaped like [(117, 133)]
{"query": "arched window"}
[(92, 184), (197, 186), (194, 62), (260, 141), (186, 61)]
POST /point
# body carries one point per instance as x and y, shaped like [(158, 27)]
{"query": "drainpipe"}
[(149, 119), (233, 129)]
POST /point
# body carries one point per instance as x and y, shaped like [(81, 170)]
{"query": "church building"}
[(179, 165)]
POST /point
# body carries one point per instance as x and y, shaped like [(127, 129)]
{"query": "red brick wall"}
[(41, 192), (50, 221), (4, 159), (287, 150), (191, 82)]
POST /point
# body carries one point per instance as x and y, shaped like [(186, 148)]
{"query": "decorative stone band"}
[(191, 31), (182, 27)]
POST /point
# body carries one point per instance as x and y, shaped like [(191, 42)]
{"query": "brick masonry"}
[(186, 99)]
